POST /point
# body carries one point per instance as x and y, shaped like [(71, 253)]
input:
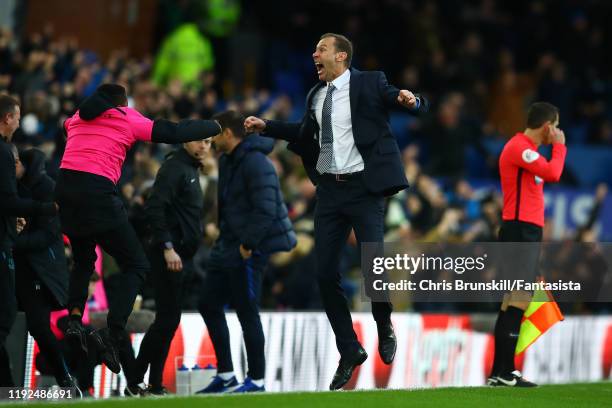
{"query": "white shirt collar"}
[(342, 79)]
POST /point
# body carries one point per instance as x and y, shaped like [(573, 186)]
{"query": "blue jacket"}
[(251, 207)]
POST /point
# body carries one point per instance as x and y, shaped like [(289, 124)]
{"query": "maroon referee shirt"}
[(523, 172)]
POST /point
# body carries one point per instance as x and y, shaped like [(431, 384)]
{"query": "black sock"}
[(512, 326), (498, 334)]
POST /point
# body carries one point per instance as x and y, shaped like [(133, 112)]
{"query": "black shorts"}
[(520, 253), (519, 231)]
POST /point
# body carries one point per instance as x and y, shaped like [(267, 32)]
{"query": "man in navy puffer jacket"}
[(253, 223)]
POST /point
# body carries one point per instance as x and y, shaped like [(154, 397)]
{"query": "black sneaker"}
[(76, 335), (106, 349), (138, 390), (157, 391), (71, 382), (514, 379)]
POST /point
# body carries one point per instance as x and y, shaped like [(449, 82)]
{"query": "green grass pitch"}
[(569, 395)]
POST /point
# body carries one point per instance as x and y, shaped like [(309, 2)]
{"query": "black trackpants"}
[(168, 298), (92, 213), (122, 244)]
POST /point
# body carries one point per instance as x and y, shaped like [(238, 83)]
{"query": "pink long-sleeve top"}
[(99, 146)]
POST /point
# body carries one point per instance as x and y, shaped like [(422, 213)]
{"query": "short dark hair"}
[(231, 120), (342, 44), (541, 112), (7, 105), (115, 93)]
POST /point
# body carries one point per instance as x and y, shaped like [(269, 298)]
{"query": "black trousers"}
[(36, 301), (168, 298), (121, 242), (8, 312), (342, 205), (241, 287)]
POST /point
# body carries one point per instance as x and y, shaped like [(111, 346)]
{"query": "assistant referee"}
[(523, 172)]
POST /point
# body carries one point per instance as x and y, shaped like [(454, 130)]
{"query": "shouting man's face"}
[(329, 62)]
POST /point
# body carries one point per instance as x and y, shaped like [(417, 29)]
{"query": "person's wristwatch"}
[(168, 245)]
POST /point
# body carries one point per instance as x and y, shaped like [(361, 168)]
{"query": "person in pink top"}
[(99, 135)]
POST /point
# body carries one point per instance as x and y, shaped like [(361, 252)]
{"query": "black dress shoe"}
[(387, 343), (346, 367)]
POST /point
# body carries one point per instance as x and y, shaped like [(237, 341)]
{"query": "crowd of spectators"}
[(480, 62), (498, 55)]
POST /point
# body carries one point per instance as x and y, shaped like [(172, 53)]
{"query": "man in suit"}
[(348, 151)]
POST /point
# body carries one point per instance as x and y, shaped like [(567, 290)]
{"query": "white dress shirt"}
[(347, 158)]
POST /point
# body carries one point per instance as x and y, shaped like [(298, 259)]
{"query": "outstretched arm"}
[(187, 130), (275, 129)]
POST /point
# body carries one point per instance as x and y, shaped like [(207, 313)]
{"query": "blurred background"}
[(480, 62)]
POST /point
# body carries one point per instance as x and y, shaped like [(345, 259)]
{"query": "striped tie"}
[(326, 156)]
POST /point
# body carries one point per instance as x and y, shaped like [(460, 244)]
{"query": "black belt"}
[(341, 177)]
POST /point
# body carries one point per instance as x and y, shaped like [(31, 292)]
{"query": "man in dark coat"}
[(42, 274), (253, 224), (174, 212), (349, 152), (11, 205)]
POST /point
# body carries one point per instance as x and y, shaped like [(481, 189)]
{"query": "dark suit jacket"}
[(371, 98)]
